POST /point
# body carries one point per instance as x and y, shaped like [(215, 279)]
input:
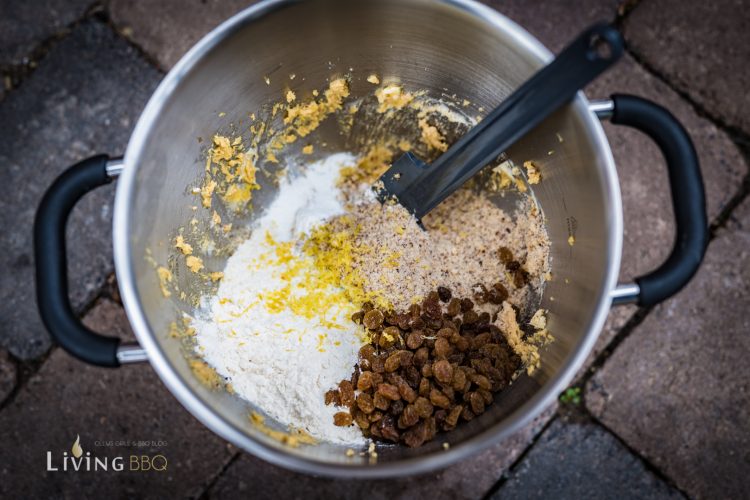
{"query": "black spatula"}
[(421, 187)]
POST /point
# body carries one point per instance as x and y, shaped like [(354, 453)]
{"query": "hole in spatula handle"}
[(600, 48)]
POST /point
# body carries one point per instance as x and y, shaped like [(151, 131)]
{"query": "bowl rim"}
[(522, 416)]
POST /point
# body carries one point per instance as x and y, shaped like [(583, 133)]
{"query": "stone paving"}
[(666, 400), (83, 99), (596, 466)]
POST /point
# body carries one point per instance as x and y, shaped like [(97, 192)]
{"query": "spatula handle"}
[(595, 50)]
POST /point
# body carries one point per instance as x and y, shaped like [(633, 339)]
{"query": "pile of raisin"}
[(427, 368)]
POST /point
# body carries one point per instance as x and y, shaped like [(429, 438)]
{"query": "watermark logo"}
[(76, 449), (80, 460)]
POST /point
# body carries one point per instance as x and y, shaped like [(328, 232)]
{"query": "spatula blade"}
[(397, 182)]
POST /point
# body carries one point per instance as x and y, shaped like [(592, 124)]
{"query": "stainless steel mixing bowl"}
[(444, 46)]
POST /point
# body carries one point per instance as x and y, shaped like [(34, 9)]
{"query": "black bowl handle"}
[(51, 263), (688, 198)]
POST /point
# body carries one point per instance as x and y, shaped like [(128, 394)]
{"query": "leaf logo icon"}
[(77, 450)]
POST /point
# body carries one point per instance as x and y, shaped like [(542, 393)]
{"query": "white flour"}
[(279, 360)]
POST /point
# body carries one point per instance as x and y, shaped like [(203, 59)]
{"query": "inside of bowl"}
[(446, 49)]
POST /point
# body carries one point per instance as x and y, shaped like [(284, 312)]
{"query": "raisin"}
[(477, 403), (406, 392), (497, 334), (364, 403), (361, 420), (390, 318), (479, 292), (430, 429), (467, 414), (373, 319), (408, 417), (470, 317), (375, 416), (480, 340), (378, 365), (388, 429), (486, 395), (481, 365), (389, 391), (456, 358), (375, 430), (440, 417), (434, 323), (432, 309), (450, 324), (342, 419), (366, 352), (445, 333), (414, 340), (481, 381), (333, 397), (437, 398), (429, 341), (389, 336), (414, 437), (454, 307), (415, 310), (459, 379), (393, 362), (416, 323), (423, 406), (448, 391), (424, 387), (444, 294), (403, 321), (358, 316), (505, 255), (443, 371), (481, 326), (498, 293), (365, 381), (407, 358), (412, 376), (355, 376), (396, 408), (492, 351), (452, 418), (427, 370), (442, 347), (381, 402), (466, 305), (347, 393), (462, 344)]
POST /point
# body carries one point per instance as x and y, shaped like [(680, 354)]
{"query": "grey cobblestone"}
[(168, 28), (580, 461), (83, 99), (700, 47), (8, 375), (677, 388), (24, 25), (67, 398)]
